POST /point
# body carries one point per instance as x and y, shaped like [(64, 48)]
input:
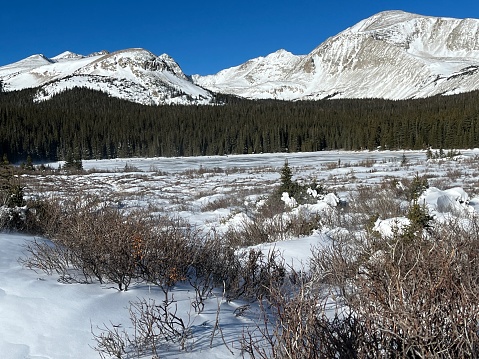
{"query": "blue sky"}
[(203, 37)]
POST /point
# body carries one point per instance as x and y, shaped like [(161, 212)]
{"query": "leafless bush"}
[(165, 252), (258, 272), (395, 298), (368, 162), (154, 326), (131, 168), (42, 216), (92, 242), (411, 297), (214, 264), (384, 201), (49, 258), (266, 226), (296, 322), (227, 201), (258, 230), (332, 165)]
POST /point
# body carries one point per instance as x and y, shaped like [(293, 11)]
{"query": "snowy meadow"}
[(253, 239)]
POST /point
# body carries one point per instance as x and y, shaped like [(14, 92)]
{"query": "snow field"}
[(42, 318)]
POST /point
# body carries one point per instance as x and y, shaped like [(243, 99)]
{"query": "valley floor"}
[(43, 318)]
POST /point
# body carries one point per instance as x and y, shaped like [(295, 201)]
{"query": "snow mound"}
[(454, 200), (389, 227)]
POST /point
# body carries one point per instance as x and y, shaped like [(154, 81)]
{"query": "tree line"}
[(91, 125)]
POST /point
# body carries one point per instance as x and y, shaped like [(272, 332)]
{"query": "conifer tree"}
[(11, 191), (73, 162), (287, 184)]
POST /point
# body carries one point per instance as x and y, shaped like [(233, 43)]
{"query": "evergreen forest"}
[(91, 125)]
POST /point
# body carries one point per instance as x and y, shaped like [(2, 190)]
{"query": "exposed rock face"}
[(392, 54), (133, 74)]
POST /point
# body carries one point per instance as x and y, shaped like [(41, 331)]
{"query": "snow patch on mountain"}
[(66, 56), (132, 74), (393, 54)]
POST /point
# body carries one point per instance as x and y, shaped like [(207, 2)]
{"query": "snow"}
[(132, 74), (390, 226), (452, 200), (43, 318), (393, 55)]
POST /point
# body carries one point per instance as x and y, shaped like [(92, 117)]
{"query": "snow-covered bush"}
[(292, 193)]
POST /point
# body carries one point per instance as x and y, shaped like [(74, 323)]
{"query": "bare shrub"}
[(398, 297), (94, 242), (49, 258), (383, 201), (259, 230), (332, 165), (303, 223), (229, 201), (214, 264), (368, 162), (267, 226), (411, 297), (154, 326), (164, 252), (256, 273), (42, 216), (296, 322)]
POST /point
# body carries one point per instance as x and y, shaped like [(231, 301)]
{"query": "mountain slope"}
[(393, 55), (133, 74)]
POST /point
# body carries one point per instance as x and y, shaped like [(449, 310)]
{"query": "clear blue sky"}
[(204, 37)]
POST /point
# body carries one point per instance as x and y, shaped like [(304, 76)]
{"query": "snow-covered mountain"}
[(392, 54), (133, 74)]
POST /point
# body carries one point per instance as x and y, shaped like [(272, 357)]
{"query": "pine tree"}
[(28, 164), (419, 219), (73, 163), (11, 191), (287, 184)]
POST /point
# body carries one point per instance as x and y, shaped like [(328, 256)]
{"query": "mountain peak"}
[(383, 20), (171, 65), (280, 54), (67, 55), (132, 74), (392, 54), (38, 57), (98, 53)]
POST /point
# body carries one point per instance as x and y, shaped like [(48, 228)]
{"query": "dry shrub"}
[(214, 264), (411, 297), (42, 216), (165, 251), (374, 201), (258, 272), (256, 231), (266, 226), (398, 297), (155, 326), (227, 201), (91, 241), (298, 321)]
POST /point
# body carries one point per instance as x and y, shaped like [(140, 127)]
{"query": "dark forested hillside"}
[(90, 124)]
